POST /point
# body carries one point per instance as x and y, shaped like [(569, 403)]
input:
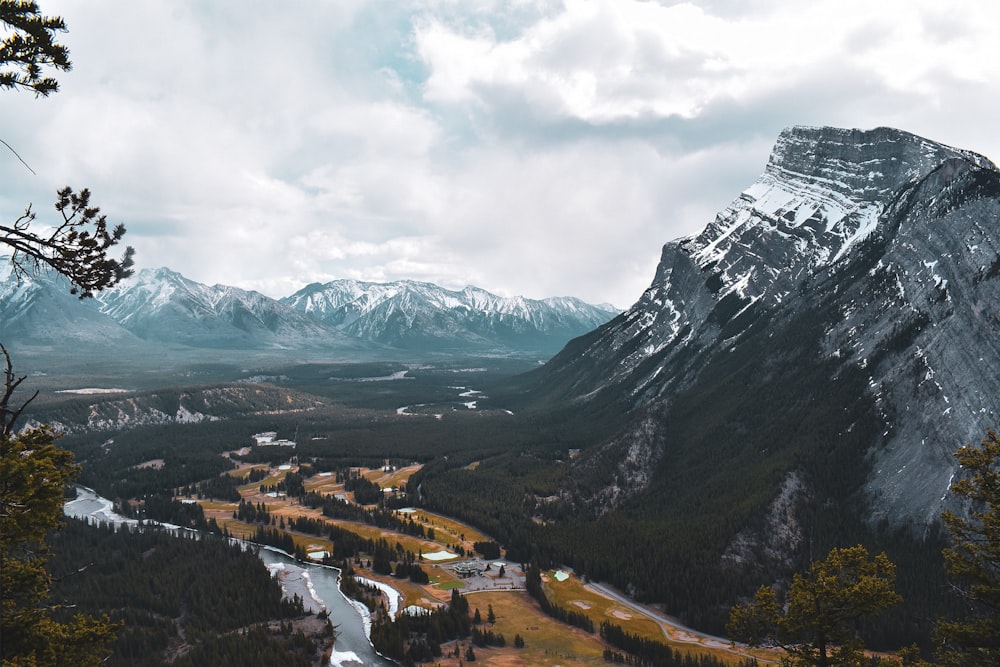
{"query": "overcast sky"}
[(532, 148)]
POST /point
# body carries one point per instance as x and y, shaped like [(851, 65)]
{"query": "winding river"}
[(317, 584)]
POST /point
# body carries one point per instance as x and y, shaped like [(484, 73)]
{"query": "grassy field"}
[(283, 507), (454, 531), (391, 478), (244, 469), (548, 642), (574, 595)]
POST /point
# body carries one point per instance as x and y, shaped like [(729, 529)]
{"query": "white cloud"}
[(608, 61), (537, 148)]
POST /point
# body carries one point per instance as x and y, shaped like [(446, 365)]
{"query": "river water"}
[(317, 585)]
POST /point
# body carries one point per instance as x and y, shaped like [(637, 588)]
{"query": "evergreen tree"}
[(33, 474), (816, 623), (30, 45), (973, 560), (77, 245), (33, 471)]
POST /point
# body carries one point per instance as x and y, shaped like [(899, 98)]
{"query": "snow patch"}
[(92, 390), (866, 225), (393, 596)]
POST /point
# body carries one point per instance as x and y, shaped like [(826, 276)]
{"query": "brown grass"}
[(548, 642), (447, 530), (393, 478), (327, 485), (573, 594)]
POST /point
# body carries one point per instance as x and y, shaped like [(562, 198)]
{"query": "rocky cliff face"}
[(893, 240), (924, 325)]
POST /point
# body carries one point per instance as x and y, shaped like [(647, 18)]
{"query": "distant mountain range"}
[(422, 316), (162, 306)]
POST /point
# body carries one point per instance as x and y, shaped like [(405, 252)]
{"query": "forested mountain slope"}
[(796, 377)]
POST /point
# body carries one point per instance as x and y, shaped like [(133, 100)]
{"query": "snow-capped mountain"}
[(845, 302), (162, 306), (41, 310), (411, 314)]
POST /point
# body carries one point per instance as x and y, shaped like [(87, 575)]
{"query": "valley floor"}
[(547, 641)]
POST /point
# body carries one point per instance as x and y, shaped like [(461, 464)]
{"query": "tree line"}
[(412, 639), (815, 621), (163, 589), (644, 652)]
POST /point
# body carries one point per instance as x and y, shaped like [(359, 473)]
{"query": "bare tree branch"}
[(11, 149), (8, 415)]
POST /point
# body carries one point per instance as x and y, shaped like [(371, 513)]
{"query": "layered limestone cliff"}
[(895, 238)]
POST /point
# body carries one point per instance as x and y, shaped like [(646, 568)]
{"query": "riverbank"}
[(316, 584)]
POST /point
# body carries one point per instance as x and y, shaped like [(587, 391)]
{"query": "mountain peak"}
[(864, 165), (822, 192), (412, 314), (157, 275), (862, 257), (161, 305)]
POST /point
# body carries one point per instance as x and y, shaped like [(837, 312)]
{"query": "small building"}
[(270, 439), (468, 569), (265, 438)]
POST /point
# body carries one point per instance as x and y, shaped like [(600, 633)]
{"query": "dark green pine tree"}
[(973, 560)]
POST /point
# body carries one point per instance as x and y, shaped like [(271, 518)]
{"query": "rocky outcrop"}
[(776, 543)]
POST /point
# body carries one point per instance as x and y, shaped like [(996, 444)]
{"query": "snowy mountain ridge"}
[(161, 305), (363, 297), (872, 255), (822, 193), (411, 313)]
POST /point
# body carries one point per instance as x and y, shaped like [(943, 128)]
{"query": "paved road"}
[(671, 628)]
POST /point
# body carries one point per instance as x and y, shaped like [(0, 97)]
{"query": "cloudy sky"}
[(532, 148)]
